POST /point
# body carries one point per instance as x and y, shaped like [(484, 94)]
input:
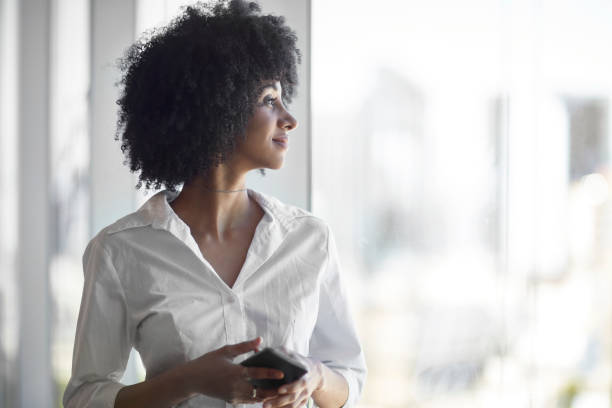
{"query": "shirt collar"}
[(276, 223), (158, 213)]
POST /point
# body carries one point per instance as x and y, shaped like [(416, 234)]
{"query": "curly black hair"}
[(189, 88)]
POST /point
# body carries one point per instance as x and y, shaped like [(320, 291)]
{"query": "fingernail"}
[(282, 390)]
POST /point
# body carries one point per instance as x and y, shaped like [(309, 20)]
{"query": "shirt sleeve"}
[(334, 341), (102, 343)]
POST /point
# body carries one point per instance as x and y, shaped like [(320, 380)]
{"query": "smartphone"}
[(279, 360)]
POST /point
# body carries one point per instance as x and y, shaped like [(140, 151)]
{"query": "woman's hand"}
[(214, 374), (296, 394)]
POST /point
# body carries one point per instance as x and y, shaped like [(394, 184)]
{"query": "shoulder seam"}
[(111, 231)]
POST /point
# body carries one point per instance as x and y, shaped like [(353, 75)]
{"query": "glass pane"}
[(69, 156), (461, 154), (9, 319)]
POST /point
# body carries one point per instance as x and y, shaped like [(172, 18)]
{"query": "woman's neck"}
[(211, 214)]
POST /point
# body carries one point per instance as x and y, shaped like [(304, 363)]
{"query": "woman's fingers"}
[(293, 392), (234, 350), (293, 387), (264, 394), (260, 373)]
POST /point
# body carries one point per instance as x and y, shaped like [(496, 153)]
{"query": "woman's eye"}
[(270, 101)]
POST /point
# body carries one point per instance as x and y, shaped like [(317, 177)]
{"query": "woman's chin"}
[(277, 164)]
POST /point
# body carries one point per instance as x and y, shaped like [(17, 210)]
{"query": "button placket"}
[(245, 332), (229, 305)]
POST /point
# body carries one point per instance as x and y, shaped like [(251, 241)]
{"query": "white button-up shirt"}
[(148, 286)]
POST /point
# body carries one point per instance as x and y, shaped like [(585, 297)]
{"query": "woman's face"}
[(267, 141)]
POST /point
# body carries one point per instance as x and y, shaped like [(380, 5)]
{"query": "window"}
[(461, 154)]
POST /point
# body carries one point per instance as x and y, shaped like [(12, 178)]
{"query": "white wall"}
[(112, 187)]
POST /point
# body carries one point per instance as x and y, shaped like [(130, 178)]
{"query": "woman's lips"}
[(282, 141)]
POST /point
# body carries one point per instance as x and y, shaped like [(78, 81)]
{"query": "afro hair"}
[(189, 88)]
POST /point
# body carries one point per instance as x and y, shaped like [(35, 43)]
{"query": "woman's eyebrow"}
[(268, 85)]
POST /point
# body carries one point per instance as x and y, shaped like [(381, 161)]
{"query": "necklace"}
[(226, 191)]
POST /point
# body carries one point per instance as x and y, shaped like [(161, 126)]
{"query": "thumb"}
[(233, 350)]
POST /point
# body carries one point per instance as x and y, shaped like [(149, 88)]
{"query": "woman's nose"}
[(288, 122)]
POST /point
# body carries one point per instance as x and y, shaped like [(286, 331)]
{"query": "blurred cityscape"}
[(462, 155)]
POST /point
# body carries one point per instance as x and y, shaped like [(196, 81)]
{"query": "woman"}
[(197, 279)]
